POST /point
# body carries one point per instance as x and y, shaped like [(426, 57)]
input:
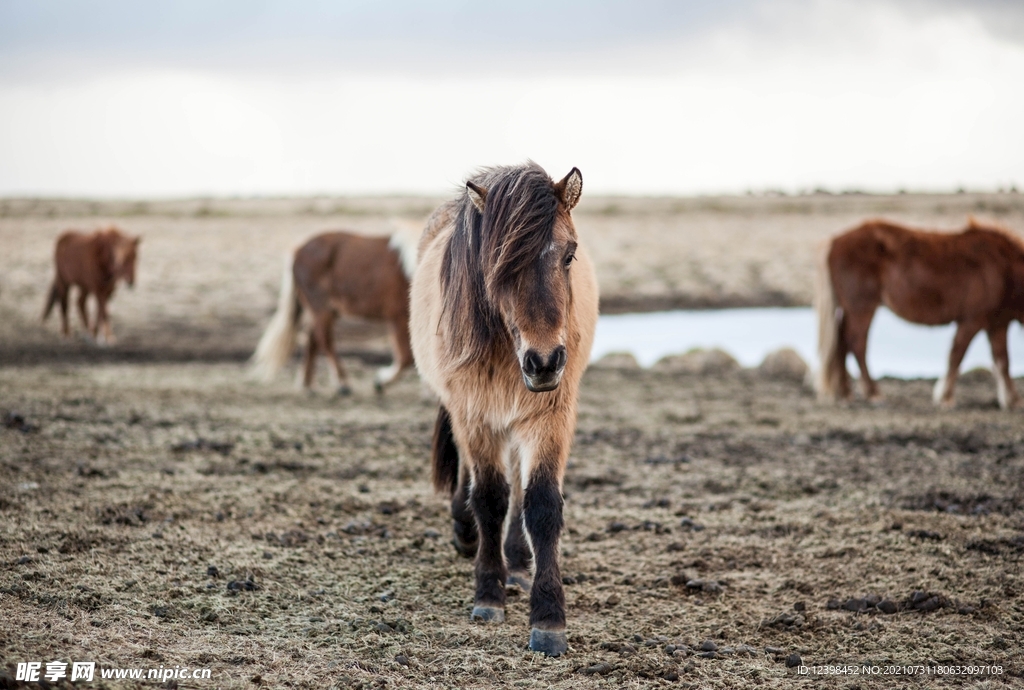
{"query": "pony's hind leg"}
[(451, 475), (398, 332), (65, 325), (83, 311), (339, 378), (843, 391), (855, 333), (465, 538), (945, 386), (309, 362), (518, 556), (1005, 388)]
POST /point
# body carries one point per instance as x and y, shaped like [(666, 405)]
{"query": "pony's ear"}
[(477, 194), (570, 188)]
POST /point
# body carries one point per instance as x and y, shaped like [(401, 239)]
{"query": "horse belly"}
[(920, 295)]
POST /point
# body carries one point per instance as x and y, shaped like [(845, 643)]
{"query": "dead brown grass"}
[(127, 473), (138, 478)]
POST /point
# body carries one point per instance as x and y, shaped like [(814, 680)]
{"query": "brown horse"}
[(94, 263), (974, 278), (503, 310), (341, 273)]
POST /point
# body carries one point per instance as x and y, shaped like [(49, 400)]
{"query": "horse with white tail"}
[(346, 274), (974, 278), (503, 311)]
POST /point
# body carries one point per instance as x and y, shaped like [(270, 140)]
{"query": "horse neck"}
[(105, 255)]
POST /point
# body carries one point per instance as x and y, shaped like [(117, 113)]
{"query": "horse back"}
[(924, 277), (357, 275)]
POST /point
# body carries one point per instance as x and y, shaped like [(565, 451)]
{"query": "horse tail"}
[(278, 340), (830, 320), (51, 300), (444, 455), (405, 242)]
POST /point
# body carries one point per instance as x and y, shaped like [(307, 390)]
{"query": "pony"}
[(94, 263), (502, 310), (341, 273), (974, 278)]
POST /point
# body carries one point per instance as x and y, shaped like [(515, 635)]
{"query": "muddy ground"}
[(159, 510), (176, 515)]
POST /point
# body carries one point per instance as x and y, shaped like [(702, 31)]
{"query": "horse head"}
[(122, 253), (528, 247)]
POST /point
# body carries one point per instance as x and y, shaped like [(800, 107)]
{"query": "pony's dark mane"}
[(489, 253)]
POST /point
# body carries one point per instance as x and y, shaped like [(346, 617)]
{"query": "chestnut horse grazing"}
[(974, 278), (94, 263), (503, 310), (341, 273)]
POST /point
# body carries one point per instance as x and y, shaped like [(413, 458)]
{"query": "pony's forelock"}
[(488, 253)]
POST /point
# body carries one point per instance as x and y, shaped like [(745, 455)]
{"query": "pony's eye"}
[(568, 260)]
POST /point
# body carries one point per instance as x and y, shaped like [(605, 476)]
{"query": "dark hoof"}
[(521, 580), (343, 391), (547, 642), (488, 614), (378, 387)]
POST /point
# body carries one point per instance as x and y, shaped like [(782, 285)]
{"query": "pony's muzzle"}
[(542, 373)]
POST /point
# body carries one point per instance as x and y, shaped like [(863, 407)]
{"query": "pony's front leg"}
[(542, 514), (489, 500), (102, 322), (108, 329)]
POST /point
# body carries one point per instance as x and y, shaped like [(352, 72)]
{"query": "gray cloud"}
[(392, 35), (64, 38), (1004, 18)]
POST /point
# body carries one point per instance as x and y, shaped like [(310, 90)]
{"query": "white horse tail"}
[(830, 320), (278, 340), (406, 240)]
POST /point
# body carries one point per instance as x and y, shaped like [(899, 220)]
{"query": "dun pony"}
[(503, 310), (341, 273), (974, 278), (94, 263)]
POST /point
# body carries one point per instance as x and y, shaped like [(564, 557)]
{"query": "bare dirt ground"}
[(175, 515), (158, 510)]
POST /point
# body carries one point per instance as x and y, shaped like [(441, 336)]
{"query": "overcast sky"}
[(136, 99)]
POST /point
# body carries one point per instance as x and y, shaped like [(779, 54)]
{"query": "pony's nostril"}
[(532, 363), (535, 364), (558, 359)]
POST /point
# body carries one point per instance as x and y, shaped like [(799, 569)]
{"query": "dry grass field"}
[(158, 510), (210, 270)]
